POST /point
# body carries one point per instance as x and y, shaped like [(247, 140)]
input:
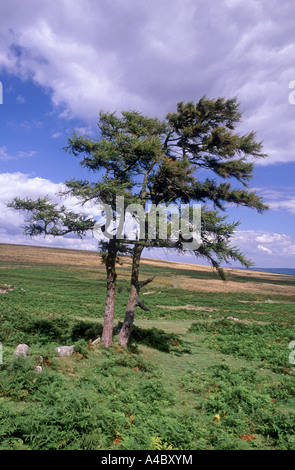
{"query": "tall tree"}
[(201, 139), (122, 156), (145, 160)]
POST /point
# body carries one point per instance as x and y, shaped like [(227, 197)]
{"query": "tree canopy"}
[(194, 155)]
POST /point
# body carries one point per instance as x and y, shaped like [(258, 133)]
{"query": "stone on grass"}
[(65, 350), (22, 350)]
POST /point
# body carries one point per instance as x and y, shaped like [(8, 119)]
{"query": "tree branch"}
[(144, 283)]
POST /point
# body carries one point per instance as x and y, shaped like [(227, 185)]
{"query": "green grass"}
[(192, 378)]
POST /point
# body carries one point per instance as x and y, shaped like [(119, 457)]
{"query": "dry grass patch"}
[(206, 285), (186, 307)]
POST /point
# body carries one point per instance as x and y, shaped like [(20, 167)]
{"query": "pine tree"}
[(201, 136), (122, 156), (147, 161)]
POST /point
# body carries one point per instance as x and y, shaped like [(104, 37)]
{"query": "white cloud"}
[(150, 55), (266, 249), (270, 238), (20, 99), (11, 222), (279, 199), (288, 205), (19, 184), (5, 156), (85, 131), (56, 135)]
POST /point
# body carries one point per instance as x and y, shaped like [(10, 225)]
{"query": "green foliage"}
[(194, 381), (148, 160), (239, 400), (86, 330), (46, 217), (17, 378), (145, 160), (84, 414), (267, 343)]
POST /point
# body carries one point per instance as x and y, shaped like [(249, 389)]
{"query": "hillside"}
[(181, 274), (209, 367)]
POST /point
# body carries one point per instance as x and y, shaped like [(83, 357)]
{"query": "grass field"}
[(209, 367)]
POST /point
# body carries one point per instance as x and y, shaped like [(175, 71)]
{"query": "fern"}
[(157, 443)]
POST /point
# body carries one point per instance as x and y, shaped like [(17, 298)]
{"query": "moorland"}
[(209, 367)]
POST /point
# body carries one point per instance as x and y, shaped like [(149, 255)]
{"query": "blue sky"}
[(59, 66)]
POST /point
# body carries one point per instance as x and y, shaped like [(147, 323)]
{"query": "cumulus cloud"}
[(268, 249), (56, 135), (264, 248), (279, 199), (150, 55), (5, 156), (286, 204), (12, 223)]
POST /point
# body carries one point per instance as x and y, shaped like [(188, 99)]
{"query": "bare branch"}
[(142, 306), (144, 283)]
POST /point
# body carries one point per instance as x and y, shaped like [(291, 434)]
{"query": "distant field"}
[(210, 366), (179, 273)]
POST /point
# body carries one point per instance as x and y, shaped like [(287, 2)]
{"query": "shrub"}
[(86, 330), (17, 378), (159, 339), (45, 330), (267, 343), (240, 404)]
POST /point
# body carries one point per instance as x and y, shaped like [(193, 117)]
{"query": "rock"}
[(65, 350), (22, 350)]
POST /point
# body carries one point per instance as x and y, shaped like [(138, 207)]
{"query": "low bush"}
[(86, 330), (267, 343), (242, 407), (143, 398), (159, 339)]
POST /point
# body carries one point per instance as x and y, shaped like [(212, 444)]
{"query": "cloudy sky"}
[(61, 64)]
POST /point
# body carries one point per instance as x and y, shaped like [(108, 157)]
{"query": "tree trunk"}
[(126, 329), (107, 333), (133, 301)]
